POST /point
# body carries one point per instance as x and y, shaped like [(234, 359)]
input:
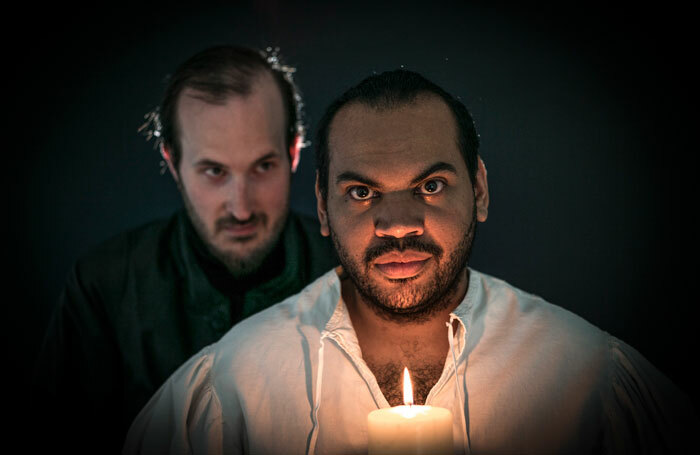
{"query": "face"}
[(234, 173), (401, 208)]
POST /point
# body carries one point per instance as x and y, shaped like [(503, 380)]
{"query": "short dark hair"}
[(389, 90), (218, 73)]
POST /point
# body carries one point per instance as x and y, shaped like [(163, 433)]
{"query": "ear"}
[(295, 152), (322, 211), (481, 192), (167, 156)]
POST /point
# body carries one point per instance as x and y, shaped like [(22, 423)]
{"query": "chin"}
[(242, 250), (382, 281)]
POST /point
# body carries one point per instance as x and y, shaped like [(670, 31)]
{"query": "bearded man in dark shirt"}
[(140, 304)]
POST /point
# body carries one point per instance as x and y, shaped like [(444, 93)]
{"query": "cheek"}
[(271, 195), (206, 200), (448, 223), (355, 229)]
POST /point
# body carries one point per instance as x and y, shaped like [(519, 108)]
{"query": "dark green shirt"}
[(138, 307)]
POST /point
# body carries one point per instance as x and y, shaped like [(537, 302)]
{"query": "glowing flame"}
[(407, 388)]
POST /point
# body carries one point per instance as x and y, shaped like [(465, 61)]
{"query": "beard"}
[(239, 265), (409, 302)]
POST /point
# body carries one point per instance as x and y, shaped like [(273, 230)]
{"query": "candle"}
[(410, 429)]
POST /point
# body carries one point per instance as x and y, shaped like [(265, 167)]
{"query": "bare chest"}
[(389, 375), (386, 357)]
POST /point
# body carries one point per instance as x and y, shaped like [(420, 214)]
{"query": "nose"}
[(238, 200), (398, 216)]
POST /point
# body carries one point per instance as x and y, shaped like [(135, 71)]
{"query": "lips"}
[(398, 265), (240, 229)]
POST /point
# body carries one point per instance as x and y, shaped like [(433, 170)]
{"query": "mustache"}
[(408, 243), (232, 221)]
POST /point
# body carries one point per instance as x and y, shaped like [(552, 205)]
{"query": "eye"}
[(362, 193), (430, 187), (265, 166), (214, 172)]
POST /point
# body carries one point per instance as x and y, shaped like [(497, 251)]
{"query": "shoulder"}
[(506, 309), (310, 308), (137, 262), (138, 248), (180, 413), (544, 345), (281, 330), (140, 240), (644, 404)]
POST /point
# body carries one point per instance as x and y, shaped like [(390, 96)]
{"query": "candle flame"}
[(407, 388)]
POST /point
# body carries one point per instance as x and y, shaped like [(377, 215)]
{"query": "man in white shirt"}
[(400, 188)]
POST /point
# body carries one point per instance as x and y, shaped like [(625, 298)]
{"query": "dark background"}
[(583, 114)]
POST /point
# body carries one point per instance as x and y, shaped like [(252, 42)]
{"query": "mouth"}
[(397, 265), (240, 231)]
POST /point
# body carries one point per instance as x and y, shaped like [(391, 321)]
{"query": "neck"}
[(219, 275), (389, 345), (368, 323)]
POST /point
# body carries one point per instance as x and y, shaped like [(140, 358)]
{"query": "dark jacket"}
[(137, 308)]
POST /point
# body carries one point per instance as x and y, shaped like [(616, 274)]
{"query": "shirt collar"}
[(340, 324), (465, 310), (473, 295)]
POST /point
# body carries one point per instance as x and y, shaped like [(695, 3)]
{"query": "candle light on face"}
[(410, 429)]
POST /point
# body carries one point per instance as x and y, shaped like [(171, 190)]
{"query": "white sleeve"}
[(183, 417)]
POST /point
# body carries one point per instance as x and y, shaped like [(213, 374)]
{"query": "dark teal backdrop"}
[(583, 115)]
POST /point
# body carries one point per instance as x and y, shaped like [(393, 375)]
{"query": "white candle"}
[(410, 429)]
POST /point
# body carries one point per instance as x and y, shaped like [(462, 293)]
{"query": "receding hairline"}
[(255, 81), (255, 85), (391, 101), (386, 105)]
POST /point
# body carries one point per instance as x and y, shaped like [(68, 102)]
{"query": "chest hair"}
[(390, 379)]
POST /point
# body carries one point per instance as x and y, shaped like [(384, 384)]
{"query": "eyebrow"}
[(350, 176), (437, 167), (267, 156), (208, 162)]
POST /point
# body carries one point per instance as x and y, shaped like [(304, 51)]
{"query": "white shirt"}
[(531, 378)]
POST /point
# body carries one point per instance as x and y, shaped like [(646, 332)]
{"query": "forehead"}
[(253, 119), (395, 140)]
